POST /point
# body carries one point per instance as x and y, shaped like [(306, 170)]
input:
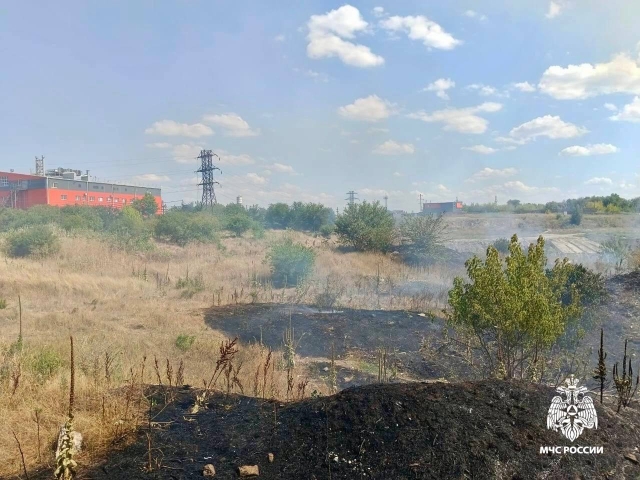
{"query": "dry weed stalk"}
[(65, 464), (228, 350), (24, 465), (624, 384)]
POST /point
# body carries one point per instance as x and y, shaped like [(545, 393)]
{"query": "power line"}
[(207, 168)]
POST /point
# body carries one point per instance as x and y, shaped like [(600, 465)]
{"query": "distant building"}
[(62, 187), (442, 207)]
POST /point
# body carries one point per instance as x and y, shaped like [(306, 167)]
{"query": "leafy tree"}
[(515, 310), (76, 217), (366, 227), (277, 216), (423, 236), (291, 263), (514, 203), (238, 224), (129, 231), (257, 214), (576, 216), (182, 228), (146, 205)]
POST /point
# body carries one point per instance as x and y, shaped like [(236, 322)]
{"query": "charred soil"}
[(480, 430)]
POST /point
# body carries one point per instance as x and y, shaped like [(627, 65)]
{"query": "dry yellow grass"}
[(118, 318)]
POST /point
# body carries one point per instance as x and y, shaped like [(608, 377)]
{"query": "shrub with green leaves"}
[(38, 241), (327, 230), (576, 216), (181, 227), (184, 342), (238, 224), (366, 227), (291, 263), (501, 245), (45, 363), (129, 231), (423, 237)]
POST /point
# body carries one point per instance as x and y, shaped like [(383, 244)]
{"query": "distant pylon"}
[(207, 168), (386, 197), (351, 197), (40, 166)]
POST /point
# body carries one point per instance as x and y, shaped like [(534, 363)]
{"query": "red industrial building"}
[(62, 187), (443, 207)]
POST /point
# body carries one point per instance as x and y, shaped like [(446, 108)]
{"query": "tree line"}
[(613, 203)]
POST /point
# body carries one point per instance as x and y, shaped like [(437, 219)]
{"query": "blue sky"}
[(535, 100)]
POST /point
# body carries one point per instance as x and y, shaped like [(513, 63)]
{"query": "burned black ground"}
[(471, 430)]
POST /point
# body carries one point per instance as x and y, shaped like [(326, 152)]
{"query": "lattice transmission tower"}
[(207, 168)]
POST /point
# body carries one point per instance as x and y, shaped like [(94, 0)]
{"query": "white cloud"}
[(486, 90), (481, 149), (441, 86), (597, 149), (151, 177), (620, 75), (524, 87), (391, 147), (441, 188), (629, 113), (186, 153), (548, 126), (159, 145), (518, 186), (255, 179), (378, 130), (554, 10), (232, 123), (280, 38), (488, 173), (236, 160), (369, 109), (462, 120), (611, 107), (421, 28), (599, 181), (378, 11), (379, 192), (398, 174), (321, 77), (170, 128), (282, 168), (327, 34), (474, 14)]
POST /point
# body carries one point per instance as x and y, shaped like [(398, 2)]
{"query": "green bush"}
[(3, 304), (190, 285), (129, 232), (502, 245), (291, 263), (576, 216), (366, 227), (422, 237), (38, 241), (184, 342), (327, 230), (238, 224), (589, 286), (75, 217), (181, 228), (45, 363)]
